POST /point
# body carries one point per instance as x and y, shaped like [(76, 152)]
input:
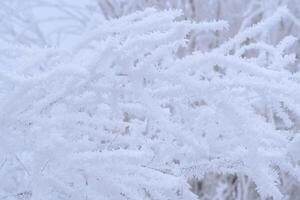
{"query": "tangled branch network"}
[(127, 113)]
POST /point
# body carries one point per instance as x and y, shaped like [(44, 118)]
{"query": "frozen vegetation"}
[(147, 99)]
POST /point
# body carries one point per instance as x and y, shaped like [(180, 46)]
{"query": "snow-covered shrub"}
[(119, 115), (240, 15), (196, 10)]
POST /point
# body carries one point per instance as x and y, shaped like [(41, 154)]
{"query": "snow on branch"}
[(121, 116)]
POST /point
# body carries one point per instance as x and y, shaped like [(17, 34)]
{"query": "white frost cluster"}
[(124, 114)]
